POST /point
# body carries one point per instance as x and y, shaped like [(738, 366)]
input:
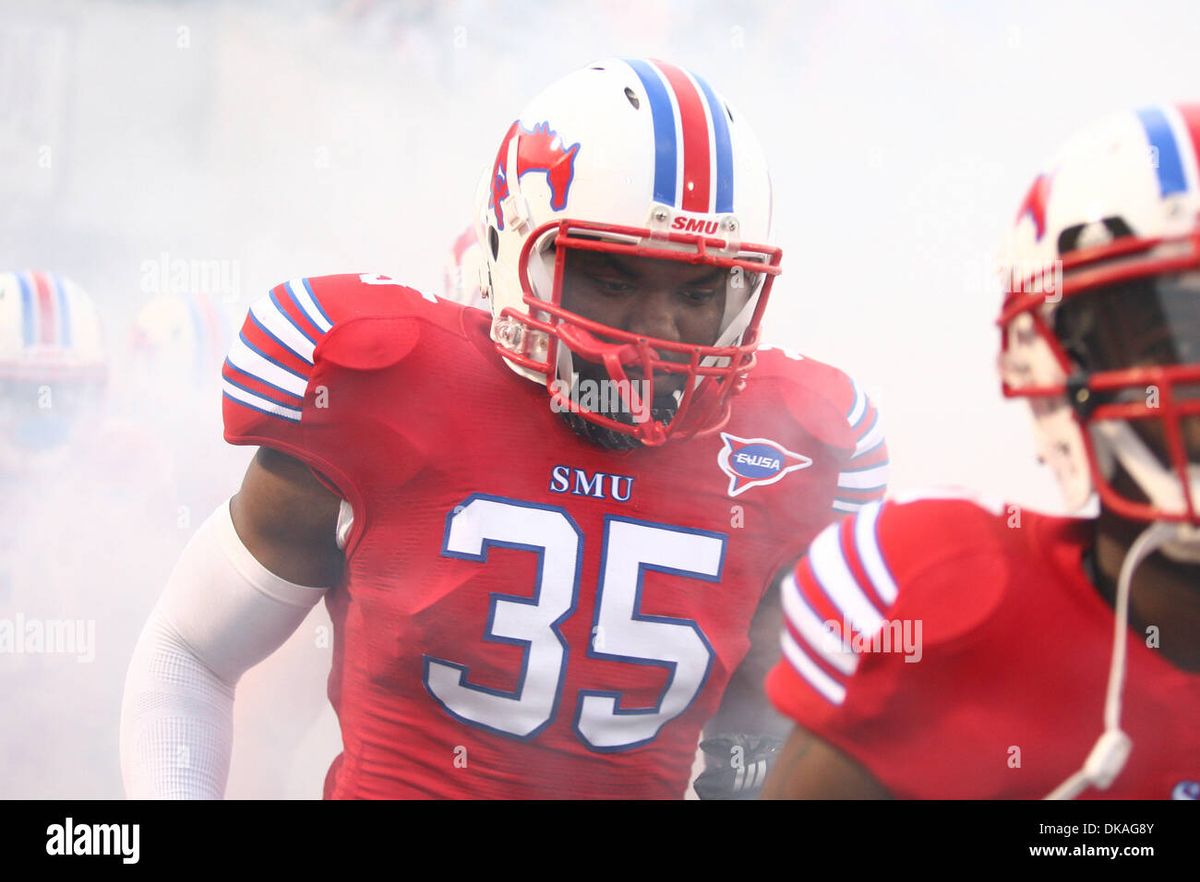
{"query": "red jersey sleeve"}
[(833, 407), (878, 627), (275, 380)]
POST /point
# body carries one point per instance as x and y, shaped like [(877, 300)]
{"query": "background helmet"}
[(631, 157), (178, 341), (53, 365), (1101, 319)]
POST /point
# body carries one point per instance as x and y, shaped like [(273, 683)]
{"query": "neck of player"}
[(1164, 598)]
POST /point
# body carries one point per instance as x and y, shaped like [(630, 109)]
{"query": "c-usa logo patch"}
[(1186, 790), (756, 462)]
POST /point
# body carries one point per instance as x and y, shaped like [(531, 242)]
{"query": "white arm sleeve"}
[(221, 613)]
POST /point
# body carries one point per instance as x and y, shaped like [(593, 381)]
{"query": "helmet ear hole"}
[(633, 98), (494, 242)]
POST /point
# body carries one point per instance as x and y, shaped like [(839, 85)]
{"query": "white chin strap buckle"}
[(1107, 758)]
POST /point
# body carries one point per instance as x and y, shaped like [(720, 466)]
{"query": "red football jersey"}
[(524, 613), (976, 660)]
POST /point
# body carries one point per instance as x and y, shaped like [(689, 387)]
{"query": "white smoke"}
[(285, 139)]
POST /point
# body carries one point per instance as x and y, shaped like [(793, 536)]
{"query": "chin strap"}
[(1109, 754), (1160, 485)]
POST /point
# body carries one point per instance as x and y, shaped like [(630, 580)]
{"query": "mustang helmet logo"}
[(1034, 204), (539, 149)]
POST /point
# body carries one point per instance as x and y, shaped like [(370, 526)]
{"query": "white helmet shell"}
[(48, 325)]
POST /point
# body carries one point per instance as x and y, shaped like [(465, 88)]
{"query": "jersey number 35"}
[(620, 631)]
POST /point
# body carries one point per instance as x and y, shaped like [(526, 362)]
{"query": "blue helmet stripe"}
[(1162, 139), (27, 330), (662, 115)]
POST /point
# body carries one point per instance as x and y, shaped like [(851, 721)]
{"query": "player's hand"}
[(735, 765)]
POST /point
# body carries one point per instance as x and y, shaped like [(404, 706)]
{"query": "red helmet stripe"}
[(1190, 114), (45, 302), (693, 122)]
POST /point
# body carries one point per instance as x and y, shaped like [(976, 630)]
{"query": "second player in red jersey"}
[(947, 649), (983, 668)]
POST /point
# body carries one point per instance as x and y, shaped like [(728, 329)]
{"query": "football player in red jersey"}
[(543, 534), (977, 651)]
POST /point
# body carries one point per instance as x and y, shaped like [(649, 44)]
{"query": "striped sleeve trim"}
[(808, 627), (871, 436), (866, 543), (245, 397), (263, 365), (839, 590), (865, 477), (269, 315), (302, 293), (832, 573), (270, 363), (858, 409), (872, 477), (802, 664)]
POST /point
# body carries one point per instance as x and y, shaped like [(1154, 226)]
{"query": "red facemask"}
[(712, 374)]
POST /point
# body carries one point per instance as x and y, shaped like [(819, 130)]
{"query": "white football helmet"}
[(1101, 319), (179, 341), (53, 364), (629, 157)]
